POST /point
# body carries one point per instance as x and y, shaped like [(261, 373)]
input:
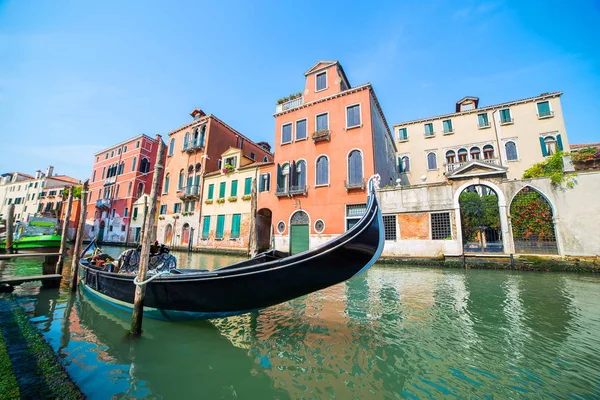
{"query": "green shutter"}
[(235, 226), (559, 142), (248, 186), (279, 177), (400, 164), (220, 226), (211, 191), (543, 109), (298, 238), (222, 190), (234, 188), (206, 227), (543, 145), (135, 211)]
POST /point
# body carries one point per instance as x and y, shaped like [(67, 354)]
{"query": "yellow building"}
[(510, 136)]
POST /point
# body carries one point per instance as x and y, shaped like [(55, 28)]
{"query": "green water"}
[(390, 333)]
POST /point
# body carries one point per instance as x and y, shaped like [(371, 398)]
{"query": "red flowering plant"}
[(531, 216)]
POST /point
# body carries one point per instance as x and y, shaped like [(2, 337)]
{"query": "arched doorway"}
[(532, 223), (263, 229), (185, 234), (101, 232), (480, 220), (299, 232), (168, 234)]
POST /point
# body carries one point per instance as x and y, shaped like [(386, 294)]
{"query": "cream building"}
[(511, 136)]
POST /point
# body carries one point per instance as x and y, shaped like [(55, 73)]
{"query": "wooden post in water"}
[(140, 291), (79, 238), (10, 220), (253, 234), (65, 233)]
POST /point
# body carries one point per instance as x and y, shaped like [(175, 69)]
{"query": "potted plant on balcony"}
[(208, 201), (221, 201), (228, 168), (322, 134), (232, 198), (246, 197)]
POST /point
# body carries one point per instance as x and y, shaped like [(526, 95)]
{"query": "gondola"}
[(270, 278)]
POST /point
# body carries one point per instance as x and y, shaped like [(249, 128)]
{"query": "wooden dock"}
[(49, 279)]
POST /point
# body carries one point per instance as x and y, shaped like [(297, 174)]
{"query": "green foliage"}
[(531, 216), (586, 154), (288, 98), (478, 211), (76, 193), (551, 168)]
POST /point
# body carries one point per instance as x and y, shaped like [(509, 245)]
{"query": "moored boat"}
[(270, 278), (37, 234)]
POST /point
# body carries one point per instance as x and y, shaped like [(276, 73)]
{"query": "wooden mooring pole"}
[(10, 220), (79, 238), (140, 291), (65, 234)]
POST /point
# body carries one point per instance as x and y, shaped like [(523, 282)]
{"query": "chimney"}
[(38, 174), (197, 113), (49, 171), (264, 145)]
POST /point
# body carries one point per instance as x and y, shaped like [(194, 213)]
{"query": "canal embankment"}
[(29, 369)]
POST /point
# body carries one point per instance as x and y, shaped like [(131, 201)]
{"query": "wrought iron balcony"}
[(281, 192), (190, 192), (110, 181), (192, 146), (288, 105), (103, 203), (298, 190), (355, 184)]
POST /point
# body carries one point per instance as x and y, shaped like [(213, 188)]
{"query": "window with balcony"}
[(475, 153), (429, 130), (299, 178), (450, 157), (283, 178), (286, 133), (321, 83), (431, 161), (322, 171), (544, 110), (353, 116), (447, 126), (402, 134), (463, 155), (505, 116), (511, 151), (488, 152), (301, 129)]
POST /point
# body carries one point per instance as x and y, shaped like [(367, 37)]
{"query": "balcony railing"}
[(110, 181), (288, 105), (453, 166), (281, 191), (355, 184), (482, 125), (190, 192), (506, 121), (103, 203), (322, 135), (545, 114), (298, 189), (192, 145)]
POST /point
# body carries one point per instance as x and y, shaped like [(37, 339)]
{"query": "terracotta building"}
[(121, 174), (193, 150), (329, 139)]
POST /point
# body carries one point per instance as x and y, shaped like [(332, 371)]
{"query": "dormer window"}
[(321, 81), (232, 161)]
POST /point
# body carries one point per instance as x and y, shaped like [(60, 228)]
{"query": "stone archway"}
[(480, 220), (532, 221), (263, 229), (185, 234), (168, 234), (299, 232)]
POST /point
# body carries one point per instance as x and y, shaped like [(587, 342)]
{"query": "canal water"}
[(391, 333)]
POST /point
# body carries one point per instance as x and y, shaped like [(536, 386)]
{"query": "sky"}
[(80, 76)]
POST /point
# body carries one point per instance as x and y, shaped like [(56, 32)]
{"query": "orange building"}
[(193, 150), (329, 139)]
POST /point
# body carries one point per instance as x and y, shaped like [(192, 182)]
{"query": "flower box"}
[(246, 197), (228, 169), (220, 201), (232, 198), (208, 201), (321, 135)]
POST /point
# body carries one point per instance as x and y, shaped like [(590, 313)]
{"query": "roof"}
[(66, 178), (465, 100), (114, 146), (542, 96), (583, 145), (249, 166), (327, 64)]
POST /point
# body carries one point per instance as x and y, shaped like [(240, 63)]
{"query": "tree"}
[(76, 192)]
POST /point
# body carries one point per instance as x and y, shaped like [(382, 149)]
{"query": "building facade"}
[(121, 175), (329, 139), (194, 150), (513, 135)]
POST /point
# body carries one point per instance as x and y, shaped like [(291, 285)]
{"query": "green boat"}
[(39, 233)]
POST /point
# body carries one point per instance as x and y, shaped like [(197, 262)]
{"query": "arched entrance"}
[(299, 232), (532, 223), (185, 234), (101, 232), (480, 220), (263, 229), (168, 234)]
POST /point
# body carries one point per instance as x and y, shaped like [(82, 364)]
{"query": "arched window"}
[(355, 168), (191, 169), (186, 141), (285, 172), (144, 165), (140, 189), (450, 157), (301, 174), (171, 146), (475, 153), (488, 151), (180, 180), (405, 164), (121, 168), (511, 151), (265, 159), (133, 164), (462, 155), (322, 171), (431, 161), (129, 189), (117, 191), (166, 185), (550, 143), (202, 135), (198, 167), (196, 142)]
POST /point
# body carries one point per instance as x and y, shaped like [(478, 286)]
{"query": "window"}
[(125, 149), (322, 122), (505, 117), (222, 189), (322, 171), (511, 151), (321, 81), (319, 226), (265, 159), (166, 185), (144, 165), (402, 134), (125, 212), (177, 208), (137, 144), (205, 227), (133, 164), (94, 176), (447, 126), (265, 183), (122, 228), (135, 213), (544, 109), (180, 180), (234, 188), (389, 227), (219, 163), (211, 191), (450, 157), (488, 151), (301, 129), (220, 226), (118, 151), (103, 172), (171, 146), (300, 176), (353, 214), (281, 227), (353, 116), (186, 141), (550, 145), (252, 156), (440, 226), (403, 164), (463, 155), (106, 156), (355, 168), (121, 168), (235, 226), (475, 153), (112, 153), (248, 186), (283, 173), (286, 133), (431, 161), (429, 129), (232, 161), (113, 212)]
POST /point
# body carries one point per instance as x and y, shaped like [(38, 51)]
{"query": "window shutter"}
[(559, 142), (543, 146), (400, 165), (211, 190), (293, 176), (234, 188), (279, 177), (268, 182), (248, 186)]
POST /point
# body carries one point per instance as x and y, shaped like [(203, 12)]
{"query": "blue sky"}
[(78, 76)]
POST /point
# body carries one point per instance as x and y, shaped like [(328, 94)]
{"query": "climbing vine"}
[(551, 168), (531, 216)]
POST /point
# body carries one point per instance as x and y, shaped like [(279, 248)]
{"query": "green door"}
[(298, 238)]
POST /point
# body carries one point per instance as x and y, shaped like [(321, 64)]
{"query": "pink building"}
[(121, 174)]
